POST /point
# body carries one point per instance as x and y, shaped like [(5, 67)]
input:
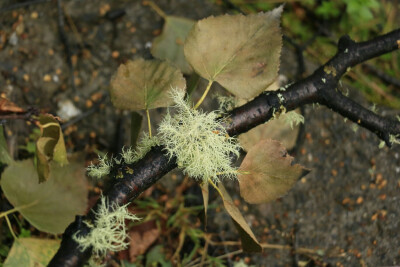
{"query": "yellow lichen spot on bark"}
[(330, 70)]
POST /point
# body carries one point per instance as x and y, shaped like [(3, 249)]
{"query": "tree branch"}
[(320, 87)]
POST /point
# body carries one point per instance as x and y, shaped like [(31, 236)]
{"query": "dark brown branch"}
[(320, 87)]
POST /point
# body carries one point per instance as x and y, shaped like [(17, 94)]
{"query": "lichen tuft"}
[(146, 143), (293, 118), (108, 232), (101, 169), (200, 143)]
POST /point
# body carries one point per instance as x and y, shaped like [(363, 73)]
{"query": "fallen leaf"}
[(31, 252), (239, 52), (156, 257), (6, 107), (169, 45), (49, 206), (145, 84), (268, 172), (249, 241), (142, 237)]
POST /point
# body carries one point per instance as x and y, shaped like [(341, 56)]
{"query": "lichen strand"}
[(108, 232), (293, 118), (199, 142), (130, 156), (101, 169), (226, 103)]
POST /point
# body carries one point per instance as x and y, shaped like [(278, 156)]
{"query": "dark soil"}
[(347, 209)]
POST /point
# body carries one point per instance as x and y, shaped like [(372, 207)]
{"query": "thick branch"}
[(320, 87)]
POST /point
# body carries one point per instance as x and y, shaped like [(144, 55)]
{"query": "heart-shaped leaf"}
[(239, 52), (267, 172), (169, 45), (49, 206), (50, 146), (145, 84), (249, 241), (31, 252)]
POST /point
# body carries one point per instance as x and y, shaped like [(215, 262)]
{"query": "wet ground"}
[(347, 209)]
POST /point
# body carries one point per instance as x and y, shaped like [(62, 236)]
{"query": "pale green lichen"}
[(394, 139), (198, 141), (226, 103), (146, 143), (95, 261), (374, 109), (293, 118), (382, 144), (108, 233), (101, 169)]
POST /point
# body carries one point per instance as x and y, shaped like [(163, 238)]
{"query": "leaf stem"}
[(210, 82), (4, 214), (216, 188), (10, 227), (148, 121), (156, 8)]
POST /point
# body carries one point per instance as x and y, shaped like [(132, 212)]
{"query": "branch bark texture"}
[(320, 88)]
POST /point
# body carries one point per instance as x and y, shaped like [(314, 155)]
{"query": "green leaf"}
[(267, 172), (31, 252), (169, 45), (49, 206), (156, 257), (50, 146), (277, 129), (142, 84), (4, 155), (239, 52), (249, 241)]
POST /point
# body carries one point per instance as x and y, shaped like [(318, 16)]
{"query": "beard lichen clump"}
[(108, 233), (198, 141), (146, 143), (101, 169)]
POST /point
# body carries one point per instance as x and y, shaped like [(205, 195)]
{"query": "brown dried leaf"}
[(239, 52), (142, 237), (145, 84), (270, 172), (249, 241), (6, 106)]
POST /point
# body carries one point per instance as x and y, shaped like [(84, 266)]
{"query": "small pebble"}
[(47, 78), (34, 15)]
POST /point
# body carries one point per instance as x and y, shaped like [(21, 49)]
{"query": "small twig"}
[(27, 115), (64, 41), (382, 75)]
